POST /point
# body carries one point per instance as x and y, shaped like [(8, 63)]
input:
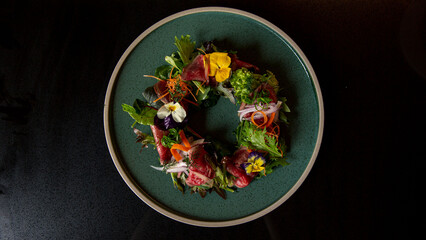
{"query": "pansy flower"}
[(175, 109), (219, 63), (255, 162), (170, 115)]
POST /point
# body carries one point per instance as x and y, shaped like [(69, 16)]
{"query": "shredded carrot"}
[(184, 139), (161, 97), (265, 119), (196, 104), (199, 49), (194, 132), (175, 86), (273, 134), (175, 154), (179, 88), (189, 89), (202, 82), (159, 79), (180, 147), (151, 107), (271, 118), (261, 151), (282, 153), (277, 127), (170, 75), (185, 147), (270, 131)]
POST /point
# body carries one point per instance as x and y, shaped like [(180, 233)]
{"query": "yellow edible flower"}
[(219, 65), (254, 163)]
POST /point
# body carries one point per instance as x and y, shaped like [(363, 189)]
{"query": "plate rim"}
[(131, 183)]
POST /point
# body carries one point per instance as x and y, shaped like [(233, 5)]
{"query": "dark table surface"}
[(57, 179)]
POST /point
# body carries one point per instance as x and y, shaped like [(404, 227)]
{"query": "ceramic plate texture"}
[(257, 41)]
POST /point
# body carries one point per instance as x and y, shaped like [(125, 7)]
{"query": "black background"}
[(57, 179)]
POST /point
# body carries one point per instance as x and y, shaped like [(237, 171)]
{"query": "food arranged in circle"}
[(195, 78)]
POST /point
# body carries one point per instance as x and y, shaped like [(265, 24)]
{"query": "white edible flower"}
[(177, 111)]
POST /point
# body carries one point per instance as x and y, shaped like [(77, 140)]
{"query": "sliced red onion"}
[(272, 108), (243, 112), (246, 106), (176, 170), (253, 108), (177, 167), (181, 164), (197, 142), (247, 110), (158, 168)]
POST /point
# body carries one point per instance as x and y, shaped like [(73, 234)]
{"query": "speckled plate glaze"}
[(257, 41)]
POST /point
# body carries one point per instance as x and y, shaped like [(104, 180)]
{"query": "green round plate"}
[(257, 41)]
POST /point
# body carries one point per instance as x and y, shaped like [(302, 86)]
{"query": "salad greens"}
[(240, 82), (285, 109), (185, 48), (140, 112), (163, 72), (175, 61), (144, 138), (176, 182), (150, 96), (244, 84), (269, 78), (250, 136), (171, 138)]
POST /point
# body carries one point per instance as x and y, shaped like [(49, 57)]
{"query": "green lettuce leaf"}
[(250, 136), (175, 61), (185, 48), (150, 96), (271, 165), (140, 112), (163, 72)]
